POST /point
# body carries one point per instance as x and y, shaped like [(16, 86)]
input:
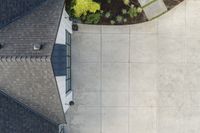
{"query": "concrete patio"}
[(142, 78)]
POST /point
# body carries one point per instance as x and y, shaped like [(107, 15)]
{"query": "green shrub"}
[(126, 2), (134, 11), (125, 20), (112, 22), (82, 7), (108, 14), (93, 18), (119, 19), (124, 11)]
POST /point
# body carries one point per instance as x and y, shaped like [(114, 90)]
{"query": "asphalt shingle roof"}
[(18, 118), (25, 74), (37, 26)]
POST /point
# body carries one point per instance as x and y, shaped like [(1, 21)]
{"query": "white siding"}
[(65, 24), (65, 98)]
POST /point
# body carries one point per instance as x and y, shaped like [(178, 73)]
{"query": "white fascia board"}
[(65, 97), (65, 24)]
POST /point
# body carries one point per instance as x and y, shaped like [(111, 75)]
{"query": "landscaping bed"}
[(109, 12), (116, 14), (171, 3)]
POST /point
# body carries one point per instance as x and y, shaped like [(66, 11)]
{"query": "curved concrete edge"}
[(172, 22), (177, 6)]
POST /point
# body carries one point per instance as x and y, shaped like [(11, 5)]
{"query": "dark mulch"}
[(172, 3), (115, 8)]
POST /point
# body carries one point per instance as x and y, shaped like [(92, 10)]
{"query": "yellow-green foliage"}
[(126, 2), (81, 7)]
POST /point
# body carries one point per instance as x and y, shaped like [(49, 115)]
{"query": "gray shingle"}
[(18, 118), (25, 74), (39, 26), (10, 10), (33, 84)]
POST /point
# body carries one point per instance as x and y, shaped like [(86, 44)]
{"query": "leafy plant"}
[(82, 7), (112, 22), (126, 2), (125, 20), (124, 11), (108, 14), (119, 19), (139, 9), (134, 11), (109, 1), (93, 18)]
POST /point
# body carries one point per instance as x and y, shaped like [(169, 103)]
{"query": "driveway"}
[(142, 78)]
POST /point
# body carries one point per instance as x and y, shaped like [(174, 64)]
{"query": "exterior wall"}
[(65, 98), (65, 24)]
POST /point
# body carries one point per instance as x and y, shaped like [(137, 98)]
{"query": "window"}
[(61, 61), (68, 61)]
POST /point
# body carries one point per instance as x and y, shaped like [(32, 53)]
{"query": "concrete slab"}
[(115, 77), (90, 99), (169, 120), (87, 77), (192, 17), (143, 77), (193, 49), (83, 28), (171, 77), (154, 9), (171, 49), (193, 77), (140, 78), (143, 120), (115, 120), (84, 120), (143, 48), (146, 27), (86, 50), (174, 21), (116, 29), (115, 47), (143, 98), (116, 99)]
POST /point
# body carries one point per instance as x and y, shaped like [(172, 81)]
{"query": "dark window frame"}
[(68, 49)]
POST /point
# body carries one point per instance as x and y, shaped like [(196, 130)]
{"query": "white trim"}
[(65, 97), (65, 24)]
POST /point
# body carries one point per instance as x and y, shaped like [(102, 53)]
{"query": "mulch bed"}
[(116, 6), (172, 3)]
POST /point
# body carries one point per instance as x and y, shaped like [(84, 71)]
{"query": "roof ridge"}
[(25, 58)]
